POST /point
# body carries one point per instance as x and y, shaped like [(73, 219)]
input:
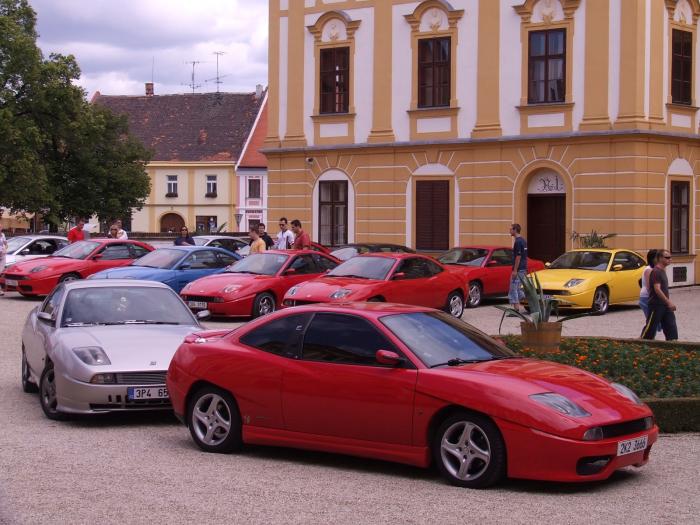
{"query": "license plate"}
[(147, 392), (631, 445), (197, 304), (11, 282)]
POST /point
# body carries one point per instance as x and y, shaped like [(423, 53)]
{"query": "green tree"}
[(59, 155)]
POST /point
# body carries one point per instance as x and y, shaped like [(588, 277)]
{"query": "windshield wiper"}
[(146, 266), (73, 325), (148, 321), (243, 271), (456, 361), (350, 275)]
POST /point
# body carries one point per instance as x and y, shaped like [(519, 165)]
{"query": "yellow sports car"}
[(594, 278)]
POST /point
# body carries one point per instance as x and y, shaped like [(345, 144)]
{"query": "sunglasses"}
[(113, 230), (665, 256)]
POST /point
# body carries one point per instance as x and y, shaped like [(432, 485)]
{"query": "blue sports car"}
[(175, 266)]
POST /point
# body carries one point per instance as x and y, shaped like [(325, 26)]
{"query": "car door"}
[(196, 265), (338, 389), (624, 283), (499, 266), (110, 256), (411, 284), (301, 268), (37, 338)]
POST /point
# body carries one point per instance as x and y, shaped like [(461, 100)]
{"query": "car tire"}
[(214, 420), (69, 277), (264, 304), (27, 385), (455, 304), (47, 394), (475, 294), (469, 451), (601, 300)]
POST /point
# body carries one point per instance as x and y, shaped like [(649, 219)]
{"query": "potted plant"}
[(538, 331)]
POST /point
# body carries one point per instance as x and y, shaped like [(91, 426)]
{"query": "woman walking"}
[(644, 291)]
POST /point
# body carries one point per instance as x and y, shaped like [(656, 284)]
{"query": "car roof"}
[(110, 283), (482, 247), (216, 237), (394, 255), (34, 236)]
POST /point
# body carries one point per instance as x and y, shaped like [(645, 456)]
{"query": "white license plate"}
[(147, 392), (631, 445), (197, 304), (11, 282)]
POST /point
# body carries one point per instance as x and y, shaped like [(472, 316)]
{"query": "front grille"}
[(628, 427), (140, 378), (133, 405), (203, 298), (556, 292), (290, 302), (15, 277)]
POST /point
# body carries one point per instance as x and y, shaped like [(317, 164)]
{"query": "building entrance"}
[(546, 216)]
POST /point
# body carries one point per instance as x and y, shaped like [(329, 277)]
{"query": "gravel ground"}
[(143, 467)]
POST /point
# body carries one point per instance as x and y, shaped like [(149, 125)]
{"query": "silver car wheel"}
[(267, 305), (465, 450), (474, 294), (211, 419), (600, 300), (48, 390), (456, 306)]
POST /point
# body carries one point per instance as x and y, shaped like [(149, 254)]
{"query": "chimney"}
[(149, 89), (258, 91)]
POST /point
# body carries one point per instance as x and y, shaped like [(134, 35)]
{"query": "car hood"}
[(321, 288), (214, 284), (54, 264), (502, 389), (558, 278), (129, 347), (134, 272)]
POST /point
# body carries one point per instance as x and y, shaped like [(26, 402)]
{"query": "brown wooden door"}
[(433, 215), (171, 222), (546, 226)]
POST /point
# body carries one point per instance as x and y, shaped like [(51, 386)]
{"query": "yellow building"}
[(439, 123)]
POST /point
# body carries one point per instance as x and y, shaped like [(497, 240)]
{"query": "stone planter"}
[(545, 337)]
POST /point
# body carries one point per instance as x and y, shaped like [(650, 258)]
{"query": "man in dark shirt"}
[(269, 243), (660, 306), (184, 239), (516, 293)]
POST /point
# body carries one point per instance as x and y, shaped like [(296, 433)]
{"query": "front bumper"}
[(537, 455), (239, 307), (77, 397), (574, 301), (27, 285)]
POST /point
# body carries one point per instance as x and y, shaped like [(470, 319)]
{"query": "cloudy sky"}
[(117, 43)]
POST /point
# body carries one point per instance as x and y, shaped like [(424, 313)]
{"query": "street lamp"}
[(238, 217)]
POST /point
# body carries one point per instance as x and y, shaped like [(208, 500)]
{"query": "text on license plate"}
[(147, 392), (631, 445), (11, 282), (197, 304)]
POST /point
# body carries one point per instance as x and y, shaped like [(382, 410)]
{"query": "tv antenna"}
[(192, 83), (217, 79)]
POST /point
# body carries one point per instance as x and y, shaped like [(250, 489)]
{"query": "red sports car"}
[(486, 268), (406, 384), (405, 278), (255, 285), (75, 261)]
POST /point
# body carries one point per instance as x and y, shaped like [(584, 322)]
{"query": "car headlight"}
[(622, 389), (40, 268), (339, 294), (292, 291), (232, 288), (573, 282), (103, 379), (560, 404), (92, 355)]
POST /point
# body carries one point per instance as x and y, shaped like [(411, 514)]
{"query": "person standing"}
[(516, 293), (76, 233), (257, 244), (184, 239), (113, 232), (121, 233), (3, 253), (644, 290), (661, 309), (302, 241), (269, 243), (285, 238)]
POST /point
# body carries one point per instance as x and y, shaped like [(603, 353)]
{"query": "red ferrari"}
[(405, 278), (406, 384), (76, 261), (486, 269), (255, 285)]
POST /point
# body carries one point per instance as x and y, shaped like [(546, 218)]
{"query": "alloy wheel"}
[(465, 450), (600, 300), (456, 305), (474, 294), (48, 391), (211, 419)]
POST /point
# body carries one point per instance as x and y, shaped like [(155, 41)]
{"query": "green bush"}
[(651, 370)]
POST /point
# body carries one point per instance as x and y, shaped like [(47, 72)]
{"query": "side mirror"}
[(387, 357), (547, 264), (616, 267), (492, 263), (185, 266), (46, 317), (25, 252), (398, 276), (203, 315), (97, 256), (290, 271)]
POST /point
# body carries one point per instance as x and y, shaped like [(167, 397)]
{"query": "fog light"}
[(593, 434), (591, 465), (103, 379)]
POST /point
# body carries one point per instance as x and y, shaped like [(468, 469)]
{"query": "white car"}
[(227, 242), (25, 247)]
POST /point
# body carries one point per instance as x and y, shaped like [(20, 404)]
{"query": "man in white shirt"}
[(285, 237), (121, 234)]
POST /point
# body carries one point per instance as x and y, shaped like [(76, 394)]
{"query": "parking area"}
[(137, 467)]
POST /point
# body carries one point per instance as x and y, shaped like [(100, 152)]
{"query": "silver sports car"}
[(103, 345)]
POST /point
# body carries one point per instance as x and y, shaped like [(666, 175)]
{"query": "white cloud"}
[(116, 43)]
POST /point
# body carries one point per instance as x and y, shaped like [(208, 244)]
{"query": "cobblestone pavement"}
[(140, 468)]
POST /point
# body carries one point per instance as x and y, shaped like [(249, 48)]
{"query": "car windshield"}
[(464, 256), (200, 241), (583, 260), (15, 243), (77, 250), (164, 258), (437, 338), (124, 305), (259, 264), (364, 267)]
